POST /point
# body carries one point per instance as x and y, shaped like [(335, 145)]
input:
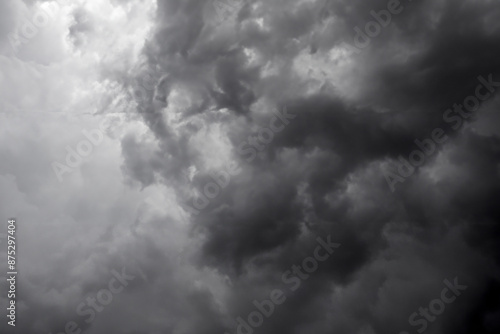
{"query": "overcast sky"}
[(171, 161)]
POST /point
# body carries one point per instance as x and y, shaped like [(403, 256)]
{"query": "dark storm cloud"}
[(331, 160)]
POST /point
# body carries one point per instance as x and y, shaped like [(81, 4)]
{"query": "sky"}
[(250, 166)]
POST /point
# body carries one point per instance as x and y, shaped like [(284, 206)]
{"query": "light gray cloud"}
[(177, 92)]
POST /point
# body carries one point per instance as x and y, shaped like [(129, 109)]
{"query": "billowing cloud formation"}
[(237, 134)]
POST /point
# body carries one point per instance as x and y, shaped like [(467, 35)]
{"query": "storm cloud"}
[(233, 142)]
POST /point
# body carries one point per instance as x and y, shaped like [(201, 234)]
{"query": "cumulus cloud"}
[(234, 134)]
